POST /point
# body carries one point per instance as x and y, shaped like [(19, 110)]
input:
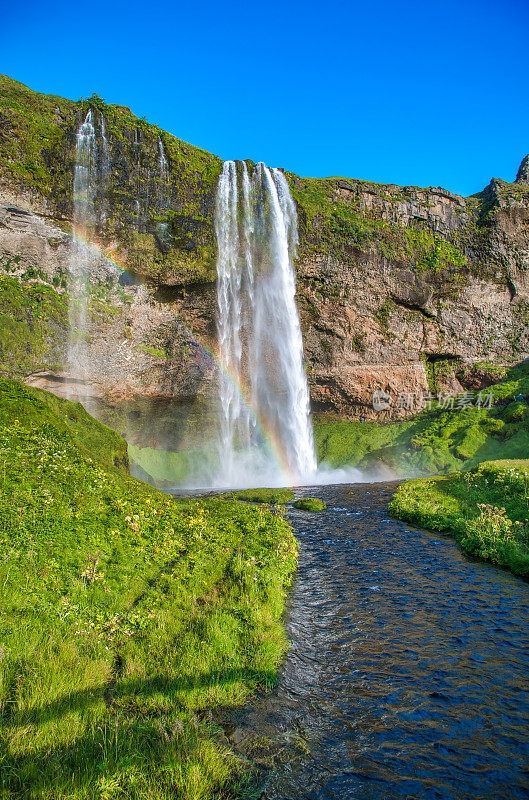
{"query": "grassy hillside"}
[(486, 509), (483, 500), (33, 408), (125, 617), (437, 441)]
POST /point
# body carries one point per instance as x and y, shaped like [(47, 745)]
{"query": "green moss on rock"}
[(331, 223), (37, 151), (33, 325), (310, 504), (173, 210), (439, 440)]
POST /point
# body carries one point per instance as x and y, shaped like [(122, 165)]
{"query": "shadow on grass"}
[(123, 695), (146, 725)]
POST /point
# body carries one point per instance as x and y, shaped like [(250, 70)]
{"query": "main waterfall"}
[(265, 432)]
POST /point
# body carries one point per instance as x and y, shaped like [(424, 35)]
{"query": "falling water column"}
[(81, 257), (234, 278), (279, 384), (265, 431)]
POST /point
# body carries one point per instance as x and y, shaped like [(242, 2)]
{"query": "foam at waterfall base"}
[(324, 475)]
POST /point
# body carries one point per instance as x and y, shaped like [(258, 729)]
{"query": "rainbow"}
[(269, 435), (110, 253)]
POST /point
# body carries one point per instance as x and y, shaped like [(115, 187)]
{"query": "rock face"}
[(146, 343), (399, 288), (523, 172)]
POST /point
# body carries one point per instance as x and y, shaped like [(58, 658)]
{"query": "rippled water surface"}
[(409, 665)]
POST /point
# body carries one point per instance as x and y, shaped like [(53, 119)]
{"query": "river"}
[(407, 675)]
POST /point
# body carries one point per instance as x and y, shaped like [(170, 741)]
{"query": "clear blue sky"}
[(426, 93)]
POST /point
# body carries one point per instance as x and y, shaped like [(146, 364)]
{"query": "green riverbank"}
[(127, 617), (486, 509)]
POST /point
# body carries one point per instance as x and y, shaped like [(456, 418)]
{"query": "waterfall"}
[(265, 430), (105, 155), (104, 173), (162, 161), (82, 255), (84, 174)]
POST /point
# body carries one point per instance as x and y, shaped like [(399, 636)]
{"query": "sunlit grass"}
[(439, 441), (126, 618), (486, 509)]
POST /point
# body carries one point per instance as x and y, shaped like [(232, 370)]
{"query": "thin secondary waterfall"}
[(81, 255), (105, 152), (162, 161), (265, 431)]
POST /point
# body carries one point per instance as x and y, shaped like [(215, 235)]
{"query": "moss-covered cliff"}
[(399, 288), (163, 215), (160, 219)]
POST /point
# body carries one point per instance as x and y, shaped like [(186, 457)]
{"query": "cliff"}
[(404, 289)]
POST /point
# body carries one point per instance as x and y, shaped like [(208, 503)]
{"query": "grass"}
[(32, 408), (270, 496), (310, 504), (440, 441), (126, 617), (485, 508)]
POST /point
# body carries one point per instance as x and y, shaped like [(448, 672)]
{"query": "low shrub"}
[(310, 504)]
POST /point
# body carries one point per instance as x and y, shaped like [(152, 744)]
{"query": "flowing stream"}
[(408, 673)]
